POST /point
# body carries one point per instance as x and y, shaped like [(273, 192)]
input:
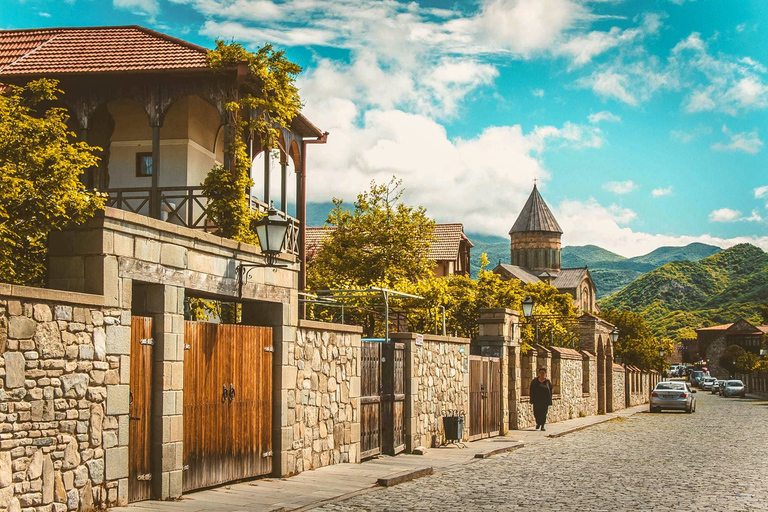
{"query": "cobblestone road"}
[(646, 462)]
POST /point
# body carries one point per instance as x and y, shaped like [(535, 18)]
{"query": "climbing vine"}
[(272, 105)]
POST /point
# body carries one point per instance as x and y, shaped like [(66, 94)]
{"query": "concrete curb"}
[(399, 478), (498, 451)]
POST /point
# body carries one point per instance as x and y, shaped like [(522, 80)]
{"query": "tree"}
[(764, 314), (381, 242), (730, 358), (636, 345), (746, 363), (40, 189), (276, 102)]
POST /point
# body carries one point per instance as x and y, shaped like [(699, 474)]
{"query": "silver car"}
[(673, 395), (707, 382), (735, 388)]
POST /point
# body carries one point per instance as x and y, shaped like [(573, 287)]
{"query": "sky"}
[(643, 121)]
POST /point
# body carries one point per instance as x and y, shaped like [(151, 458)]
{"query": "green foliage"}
[(210, 310), (274, 105), (381, 242), (746, 363), (731, 357), (679, 296), (637, 344), (764, 314), (40, 190)]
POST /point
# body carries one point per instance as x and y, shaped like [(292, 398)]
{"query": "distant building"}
[(712, 342), (450, 248), (535, 255)]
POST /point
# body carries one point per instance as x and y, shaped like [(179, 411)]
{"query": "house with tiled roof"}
[(712, 341), (450, 249), (535, 255)]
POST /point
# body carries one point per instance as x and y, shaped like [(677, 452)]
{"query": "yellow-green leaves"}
[(40, 187)]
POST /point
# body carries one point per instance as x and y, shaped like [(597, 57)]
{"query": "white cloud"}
[(661, 192), (724, 215), (620, 187), (610, 85), (150, 8), (588, 222), (755, 217), (603, 116), (44, 14), (539, 93), (761, 192), (687, 136), (582, 49), (747, 142)]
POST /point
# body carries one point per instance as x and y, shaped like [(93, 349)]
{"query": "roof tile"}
[(535, 216)]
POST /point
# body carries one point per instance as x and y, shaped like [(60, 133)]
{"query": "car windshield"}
[(670, 385), (735, 383)]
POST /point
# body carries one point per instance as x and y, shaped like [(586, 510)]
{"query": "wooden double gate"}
[(227, 403), (484, 397), (382, 401)]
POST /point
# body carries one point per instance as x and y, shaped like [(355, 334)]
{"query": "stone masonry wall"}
[(323, 397), (437, 380), (567, 375), (64, 401), (619, 396)]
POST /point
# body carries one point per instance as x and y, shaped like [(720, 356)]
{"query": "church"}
[(535, 255)]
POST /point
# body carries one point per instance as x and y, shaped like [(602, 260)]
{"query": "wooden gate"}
[(227, 403), (140, 412), (484, 397), (393, 398), (370, 399)]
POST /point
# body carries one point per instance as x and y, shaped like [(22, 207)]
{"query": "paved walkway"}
[(311, 489)]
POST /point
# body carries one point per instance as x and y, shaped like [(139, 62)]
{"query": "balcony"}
[(186, 206)]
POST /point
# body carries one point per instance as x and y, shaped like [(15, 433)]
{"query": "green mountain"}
[(495, 247), (612, 272), (689, 294)]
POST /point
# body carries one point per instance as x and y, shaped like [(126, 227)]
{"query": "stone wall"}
[(64, 401), (573, 397), (619, 395), (637, 386), (321, 425), (436, 381)]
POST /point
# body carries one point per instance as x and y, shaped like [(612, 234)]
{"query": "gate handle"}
[(224, 394), (231, 392)]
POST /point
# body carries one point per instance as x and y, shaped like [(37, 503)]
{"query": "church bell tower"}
[(535, 236)]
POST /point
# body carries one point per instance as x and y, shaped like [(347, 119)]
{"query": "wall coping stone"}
[(48, 295), (588, 355), (565, 353), (403, 336), (618, 368), (327, 326)]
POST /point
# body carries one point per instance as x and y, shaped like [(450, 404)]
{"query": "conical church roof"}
[(535, 216)]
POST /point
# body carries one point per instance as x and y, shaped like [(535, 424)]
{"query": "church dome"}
[(535, 216)]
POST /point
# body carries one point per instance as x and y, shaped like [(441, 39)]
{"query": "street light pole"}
[(661, 356)]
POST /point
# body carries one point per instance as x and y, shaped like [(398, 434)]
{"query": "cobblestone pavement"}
[(644, 462)]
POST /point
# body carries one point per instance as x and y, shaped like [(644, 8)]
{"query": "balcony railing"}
[(187, 206)]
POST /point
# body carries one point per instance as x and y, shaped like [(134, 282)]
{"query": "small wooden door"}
[(140, 411), (484, 397), (393, 398), (370, 399), (227, 403)]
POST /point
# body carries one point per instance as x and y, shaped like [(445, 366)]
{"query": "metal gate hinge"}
[(187, 346), (185, 467), (267, 454), (269, 349), (147, 341), (144, 477)]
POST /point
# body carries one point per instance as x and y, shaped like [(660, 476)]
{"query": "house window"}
[(143, 164)]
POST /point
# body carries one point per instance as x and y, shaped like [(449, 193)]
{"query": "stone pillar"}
[(609, 377), (514, 384), (600, 378), (283, 319), (166, 304)]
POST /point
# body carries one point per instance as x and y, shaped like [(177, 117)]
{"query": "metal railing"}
[(188, 207)]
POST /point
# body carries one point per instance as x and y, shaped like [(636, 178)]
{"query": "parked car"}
[(674, 370), (707, 382), (673, 395), (735, 388), (717, 385), (696, 377)]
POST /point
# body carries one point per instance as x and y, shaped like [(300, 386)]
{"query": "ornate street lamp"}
[(528, 307), (271, 231), (661, 355), (614, 335)]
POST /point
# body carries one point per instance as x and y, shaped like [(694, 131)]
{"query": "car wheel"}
[(689, 409), (655, 409)]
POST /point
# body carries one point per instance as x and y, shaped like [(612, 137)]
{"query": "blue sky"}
[(644, 121)]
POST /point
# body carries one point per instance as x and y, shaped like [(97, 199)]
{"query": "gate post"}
[(499, 337), (166, 303)]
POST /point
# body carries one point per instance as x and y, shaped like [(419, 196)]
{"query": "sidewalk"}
[(311, 489)]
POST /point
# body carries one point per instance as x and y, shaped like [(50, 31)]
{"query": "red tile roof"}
[(445, 245), (722, 327), (95, 50)]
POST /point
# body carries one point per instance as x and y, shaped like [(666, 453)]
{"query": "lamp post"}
[(528, 304), (661, 356), (270, 232)]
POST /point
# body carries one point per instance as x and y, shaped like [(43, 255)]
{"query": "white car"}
[(673, 395), (707, 383)]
